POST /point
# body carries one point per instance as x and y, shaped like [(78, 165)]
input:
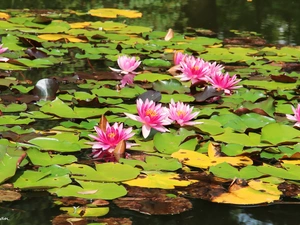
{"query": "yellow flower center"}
[(150, 113), (180, 113), (111, 135)]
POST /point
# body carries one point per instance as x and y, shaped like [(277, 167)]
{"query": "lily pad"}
[(91, 190), (112, 172)]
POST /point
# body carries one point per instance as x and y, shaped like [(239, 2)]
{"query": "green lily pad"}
[(9, 157), (288, 171), (112, 172), (227, 171), (210, 126), (85, 211), (250, 139), (276, 133), (65, 142), (13, 107), (61, 109), (37, 179), (156, 63), (5, 120), (151, 77), (91, 190), (154, 163), (45, 159), (170, 86), (174, 143)]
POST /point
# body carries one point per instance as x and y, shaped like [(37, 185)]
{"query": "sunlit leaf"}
[(159, 180), (10, 157), (85, 211), (113, 13), (196, 159), (276, 133), (45, 159), (112, 172), (91, 190)]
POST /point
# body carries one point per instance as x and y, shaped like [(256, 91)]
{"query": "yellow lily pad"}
[(246, 196), (114, 13), (199, 160), (159, 180), (264, 186), (56, 37)]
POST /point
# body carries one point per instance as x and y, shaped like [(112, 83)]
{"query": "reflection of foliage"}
[(160, 15), (274, 19)]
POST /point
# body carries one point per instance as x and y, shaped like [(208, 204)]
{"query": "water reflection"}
[(37, 208), (277, 20)]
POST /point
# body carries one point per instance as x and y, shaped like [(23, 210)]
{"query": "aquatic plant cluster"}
[(156, 116), (186, 115)]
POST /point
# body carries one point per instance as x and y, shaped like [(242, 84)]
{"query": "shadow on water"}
[(36, 208)]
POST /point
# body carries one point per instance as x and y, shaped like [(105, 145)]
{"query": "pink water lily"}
[(108, 139), (193, 69), (296, 116), (224, 82), (182, 113), (178, 57), (127, 64), (2, 50), (127, 79), (151, 115), (215, 68)]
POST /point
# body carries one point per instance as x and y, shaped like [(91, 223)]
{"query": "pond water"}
[(277, 21)]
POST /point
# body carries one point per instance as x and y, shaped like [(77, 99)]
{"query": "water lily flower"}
[(182, 113), (127, 79), (193, 69), (127, 64), (178, 57), (296, 116), (215, 68), (108, 139), (2, 50), (223, 82), (152, 115)]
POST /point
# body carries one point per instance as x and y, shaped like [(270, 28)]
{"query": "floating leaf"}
[(289, 171), (245, 196), (13, 107), (64, 142), (276, 133), (227, 171), (159, 180), (10, 158), (36, 179), (196, 159), (170, 86), (154, 163), (45, 159), (113, 13), (151, 77), (91, 190), (85, 211), (112, 172)]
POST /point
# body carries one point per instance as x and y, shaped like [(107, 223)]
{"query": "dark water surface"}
[(37, 209), (279, 23), (277, 20)]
